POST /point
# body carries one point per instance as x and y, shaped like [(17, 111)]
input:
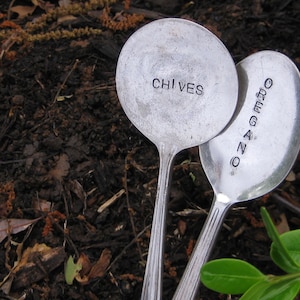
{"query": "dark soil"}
[(66, 147)]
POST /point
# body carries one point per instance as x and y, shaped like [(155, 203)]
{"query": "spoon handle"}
[(152, 287), (190, 281)]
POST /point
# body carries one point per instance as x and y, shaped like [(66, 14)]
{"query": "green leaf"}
[(283, 290), (230, 276), (280, 255), (291, 241), (256, 291), (71, 270), (281, 261), (277, 288)]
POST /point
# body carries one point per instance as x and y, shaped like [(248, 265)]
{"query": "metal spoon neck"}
[(152, 286), (222, 199)]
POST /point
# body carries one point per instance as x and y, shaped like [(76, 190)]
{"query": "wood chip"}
[(110, 201)]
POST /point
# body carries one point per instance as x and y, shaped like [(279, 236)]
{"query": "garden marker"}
[(177, 83), (255, 152)]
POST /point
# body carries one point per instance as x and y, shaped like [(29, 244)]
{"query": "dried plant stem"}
[(65, 81)]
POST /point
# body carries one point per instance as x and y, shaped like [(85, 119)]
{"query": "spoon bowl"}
[(254, 153), (178, 85)]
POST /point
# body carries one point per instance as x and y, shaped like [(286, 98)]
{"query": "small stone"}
[(291, 176), (17, 100)]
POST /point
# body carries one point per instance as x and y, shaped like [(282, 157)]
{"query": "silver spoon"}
[(178, 85), (256, 151)]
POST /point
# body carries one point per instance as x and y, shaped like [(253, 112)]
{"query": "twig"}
[(9, 9), (128, 205), (286, 203), (66, 79), (110, 201), (12, 161), (149, 14), (128, 246), (67, 237)]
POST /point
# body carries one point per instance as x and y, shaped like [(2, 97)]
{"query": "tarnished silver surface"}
[(178, 85), (255, 153), (176, 82)]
